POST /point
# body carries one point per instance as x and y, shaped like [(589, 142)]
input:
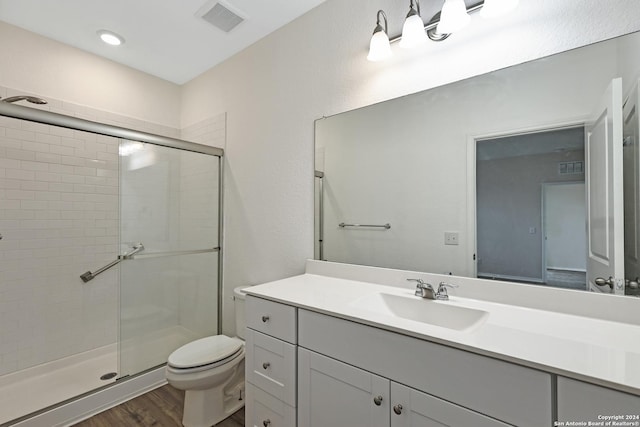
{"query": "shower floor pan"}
[(32, 389)]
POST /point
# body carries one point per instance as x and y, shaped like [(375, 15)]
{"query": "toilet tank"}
[(238, 302)]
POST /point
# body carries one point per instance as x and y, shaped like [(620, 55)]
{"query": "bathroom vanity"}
[(353, 346)]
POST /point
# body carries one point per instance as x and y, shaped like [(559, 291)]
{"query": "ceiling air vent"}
[(221, 17)]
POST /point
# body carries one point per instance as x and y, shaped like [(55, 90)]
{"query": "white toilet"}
[(211, 371)]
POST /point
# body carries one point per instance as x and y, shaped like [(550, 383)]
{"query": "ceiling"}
[(532, 144), (165, 38)]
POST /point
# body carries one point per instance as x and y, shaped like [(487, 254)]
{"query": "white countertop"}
[(594, 350)]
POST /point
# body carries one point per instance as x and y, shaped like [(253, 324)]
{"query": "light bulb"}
[(379, 48), (413, 34), (454, 17), (110, 37)]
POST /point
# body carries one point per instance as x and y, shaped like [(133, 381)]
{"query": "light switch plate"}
[(451, 238)]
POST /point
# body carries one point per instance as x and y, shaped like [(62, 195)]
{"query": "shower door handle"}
[(87, 276)]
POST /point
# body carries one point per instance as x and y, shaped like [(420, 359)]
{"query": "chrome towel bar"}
[(87, 276), (385, 226)]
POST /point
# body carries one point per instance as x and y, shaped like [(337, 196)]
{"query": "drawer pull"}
[(265, 365), (266, 423), (265, 319), (377, 400), (397, 409)]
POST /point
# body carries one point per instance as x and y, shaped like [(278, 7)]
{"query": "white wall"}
[(33, 64), (316, 66)]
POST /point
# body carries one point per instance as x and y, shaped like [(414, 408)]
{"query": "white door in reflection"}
[(605, 207)]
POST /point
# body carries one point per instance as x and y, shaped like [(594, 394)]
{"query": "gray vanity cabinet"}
[(504, 391), (314, 370), (332, 393)]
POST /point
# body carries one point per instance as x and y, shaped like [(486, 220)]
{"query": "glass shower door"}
[(169, 208)]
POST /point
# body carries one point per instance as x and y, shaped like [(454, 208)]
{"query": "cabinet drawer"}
[(505, 391), (271, 366), (271, 318), (264, 410)]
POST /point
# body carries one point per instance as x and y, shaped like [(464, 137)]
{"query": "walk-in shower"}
[(109, 256)]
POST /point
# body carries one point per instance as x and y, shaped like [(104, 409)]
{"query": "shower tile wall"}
[(58, 218)]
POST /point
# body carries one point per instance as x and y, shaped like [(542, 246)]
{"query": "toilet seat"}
[(205, 353)]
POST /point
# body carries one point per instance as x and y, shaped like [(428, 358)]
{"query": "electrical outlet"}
[(451, 238)]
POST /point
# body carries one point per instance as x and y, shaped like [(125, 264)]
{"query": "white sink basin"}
[(437, 313)]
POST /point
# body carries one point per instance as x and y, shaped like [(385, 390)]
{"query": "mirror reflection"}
[(528, 174)]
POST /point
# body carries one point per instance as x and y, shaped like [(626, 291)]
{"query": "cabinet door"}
[(411, 408), (331, 393), (578, 401)]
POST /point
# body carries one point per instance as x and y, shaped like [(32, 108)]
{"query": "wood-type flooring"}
[(161, 407)]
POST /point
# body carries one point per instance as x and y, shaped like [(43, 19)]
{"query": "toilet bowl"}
[(211, 371)]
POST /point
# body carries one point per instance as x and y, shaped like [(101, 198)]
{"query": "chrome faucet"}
[(425, 290)]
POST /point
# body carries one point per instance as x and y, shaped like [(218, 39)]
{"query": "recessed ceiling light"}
[(110, 37)]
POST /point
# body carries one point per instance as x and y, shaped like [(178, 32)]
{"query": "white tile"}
[(20, 134), (47, 158), (19, 195), (64, 151), (20, 174), (48, 139), (12, 153), (71, 160), (33, 166), (35, 146), (34, 185), (47, 176)]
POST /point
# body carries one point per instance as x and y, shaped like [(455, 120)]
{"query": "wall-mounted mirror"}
[(527, 174)]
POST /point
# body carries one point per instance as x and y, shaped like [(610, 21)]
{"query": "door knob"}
[(397, 409), (266, 423), (265, 365), (377, 400), (602, 282), (265, 319)]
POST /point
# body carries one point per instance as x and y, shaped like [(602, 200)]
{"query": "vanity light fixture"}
[(413, 34), (109, 37), (380, 48), (453, 17)]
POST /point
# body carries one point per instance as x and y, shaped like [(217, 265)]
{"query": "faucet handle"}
[(442, 290)]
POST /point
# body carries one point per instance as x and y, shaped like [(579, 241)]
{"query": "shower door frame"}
[(74, 123)]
